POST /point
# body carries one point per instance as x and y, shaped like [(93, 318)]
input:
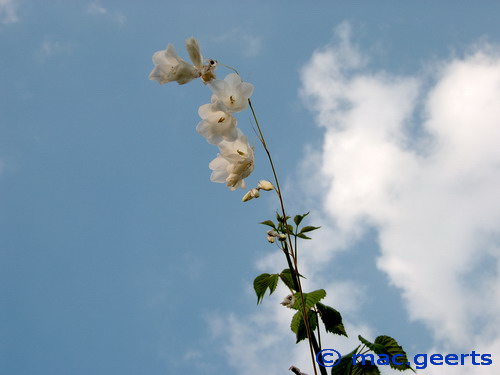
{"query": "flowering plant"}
[(234, 163)]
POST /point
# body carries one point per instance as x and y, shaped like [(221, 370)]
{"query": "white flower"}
[(216, 125), (193, 49), (234, 163), (170, 67), (207, 71), (232, 92), (265, 185), (289, 301)]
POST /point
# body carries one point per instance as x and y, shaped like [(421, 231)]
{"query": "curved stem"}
[(313, 346)]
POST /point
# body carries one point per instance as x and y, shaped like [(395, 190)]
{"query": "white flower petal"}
[(194, 52)]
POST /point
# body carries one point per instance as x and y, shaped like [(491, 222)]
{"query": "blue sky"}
[(117, 253)]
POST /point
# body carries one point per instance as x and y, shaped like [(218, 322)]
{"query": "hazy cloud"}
[(249, 45), (8, 11), (50, 48), (97, 9)]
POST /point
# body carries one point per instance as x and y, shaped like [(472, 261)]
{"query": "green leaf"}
[(301, 235), (345, 365), (376, 348), (263, 282), (392, 348), (310, 299), (298, 326), (269, 223), (308, 229), (331, 319), (260, 284), (367, 369), (281, 219), (286, 277), (387, 346), (298, 218), (272, 282), (290, 229)]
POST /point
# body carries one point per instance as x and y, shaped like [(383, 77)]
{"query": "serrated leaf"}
[(263, 282), (272, 282), (345, 365), (260, 285), (286, 277), (365, 369), (310, 299), (269, 223), (331, 319), (376, 348), (298, 326), (392, 348), (298, 218), (308, 229), (302, 235)]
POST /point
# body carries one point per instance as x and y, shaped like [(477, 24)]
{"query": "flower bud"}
[(253, 193), (270, 239), (265, 185), (272, 233), (282, 237), (289, 301)]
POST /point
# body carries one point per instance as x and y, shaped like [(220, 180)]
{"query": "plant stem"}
[(289, 251)]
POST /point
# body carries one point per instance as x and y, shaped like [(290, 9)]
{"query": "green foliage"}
[(269, 223), (344, 367), (264, 282), (331, 319), (310, 299), (282, 219), (286, 277), (298, 326), (387, 346), (298, 218), (376, 348), (365, 369), (308, 229), (273, 282)]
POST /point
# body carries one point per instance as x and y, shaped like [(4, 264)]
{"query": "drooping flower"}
[(207, 70), (232, 92), (170, 67), (234, 163), (216, 125)]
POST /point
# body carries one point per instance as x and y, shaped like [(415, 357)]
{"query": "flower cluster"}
[(218, 126)]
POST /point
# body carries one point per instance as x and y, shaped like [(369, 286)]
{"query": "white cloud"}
[(8, 11), (50, 48), (431, 189), (97, 9), (419, 164), (249, 45)]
